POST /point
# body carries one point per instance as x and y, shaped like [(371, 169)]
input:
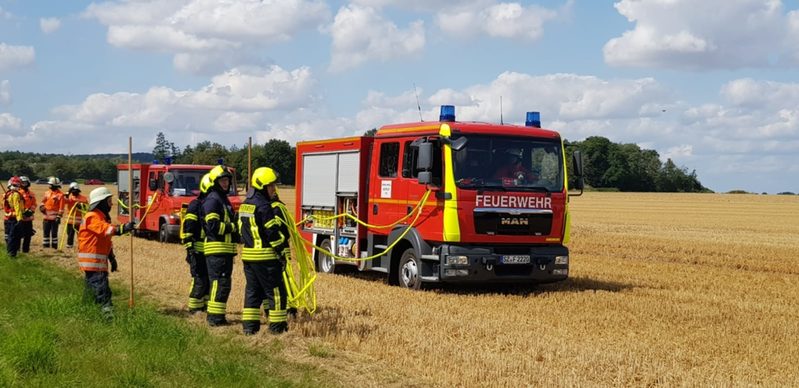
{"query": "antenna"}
[(419, 107), (501, 121)]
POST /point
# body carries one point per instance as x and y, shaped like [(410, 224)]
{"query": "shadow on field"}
[(572, 284)]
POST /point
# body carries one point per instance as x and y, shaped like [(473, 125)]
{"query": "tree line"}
[(607, 165)]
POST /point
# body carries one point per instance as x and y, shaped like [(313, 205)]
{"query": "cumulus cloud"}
[(15, 56), (221, 32), (49, 25), (10, 125), (361, 34), (5, 92), (500, 20), (679, 34)]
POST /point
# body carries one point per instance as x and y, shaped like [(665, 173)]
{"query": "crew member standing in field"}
[(220, 243), (26, 225), (13, 205), (53, 209), (266, 249), (193, 238), (6, 209), (95, 251), (76, 205)]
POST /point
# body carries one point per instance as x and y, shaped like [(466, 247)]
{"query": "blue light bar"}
[(168, 160), (533, 120), (220, 162), (447, 113), (155, 161)]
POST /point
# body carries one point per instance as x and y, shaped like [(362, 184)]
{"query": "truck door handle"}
[(409, 210), (374, 209)]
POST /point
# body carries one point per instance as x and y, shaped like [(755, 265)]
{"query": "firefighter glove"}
[(125, 228), (27, 213), (113, 260), (230, 227), (57, 219), (190, 252), (41, 209)]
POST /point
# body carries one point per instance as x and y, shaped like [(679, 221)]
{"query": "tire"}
[(163, 236), (325, 263), (409, 270)]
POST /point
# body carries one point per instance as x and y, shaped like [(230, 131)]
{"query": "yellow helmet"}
[(263, 176), (206, 183), (219, 171)]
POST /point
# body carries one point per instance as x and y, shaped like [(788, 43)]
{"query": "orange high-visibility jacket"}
[(53, 203), (12, 205), (76, 206), (94, 242), (30, 203)]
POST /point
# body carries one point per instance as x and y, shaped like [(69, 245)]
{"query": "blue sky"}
[(711, 84)]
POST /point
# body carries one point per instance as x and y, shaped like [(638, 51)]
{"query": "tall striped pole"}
[(131, 302)]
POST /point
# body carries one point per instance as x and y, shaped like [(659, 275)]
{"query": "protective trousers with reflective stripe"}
[(264, 286), (219, 271), (50, 237), (200, 285)]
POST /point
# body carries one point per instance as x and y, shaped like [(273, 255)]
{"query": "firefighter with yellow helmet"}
[(265, 236), (220, 243), (14, 207), (192, 237)]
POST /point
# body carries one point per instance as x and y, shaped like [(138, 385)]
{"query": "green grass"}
[(50, 336)]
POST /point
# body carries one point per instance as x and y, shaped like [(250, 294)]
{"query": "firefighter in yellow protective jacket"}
[(220, 243), (192, 236), (266, 249), (14, 206), (76, 205), (95, 252)]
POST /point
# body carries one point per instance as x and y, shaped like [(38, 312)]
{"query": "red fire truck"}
[(498, 209), (159, 202)]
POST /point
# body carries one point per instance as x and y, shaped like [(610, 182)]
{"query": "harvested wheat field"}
[(665, 289)]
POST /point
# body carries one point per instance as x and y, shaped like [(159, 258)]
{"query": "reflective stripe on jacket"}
[(192, 233), (94, 242), (218, 215), (263, 232), (53, 202)]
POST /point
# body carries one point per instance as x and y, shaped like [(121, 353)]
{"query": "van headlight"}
[(457, 260)]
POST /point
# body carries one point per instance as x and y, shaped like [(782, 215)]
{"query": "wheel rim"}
[(410, 273), (326, 263)]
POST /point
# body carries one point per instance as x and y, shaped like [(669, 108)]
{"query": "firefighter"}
[(6, 208), (76, 205), (264, 234), (192, 236), (13, 205), (220, 243), (95, 251), (53, 209), (26, 225)]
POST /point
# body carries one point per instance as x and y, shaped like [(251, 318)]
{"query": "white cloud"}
[(361, 34), (10, 125), (49, 25), (5, 14), (15, 56), (219, 32), (680, 34), (500, 20), (5, 92)]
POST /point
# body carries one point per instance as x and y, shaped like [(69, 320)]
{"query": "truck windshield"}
[(509, 163), (187, 182)]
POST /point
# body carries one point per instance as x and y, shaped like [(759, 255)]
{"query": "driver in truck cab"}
[(512, 169)]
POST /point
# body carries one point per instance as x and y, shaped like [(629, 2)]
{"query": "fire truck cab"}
[(498, 208), (159, 193)]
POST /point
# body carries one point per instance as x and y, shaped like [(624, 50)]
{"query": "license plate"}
[(515, 259)]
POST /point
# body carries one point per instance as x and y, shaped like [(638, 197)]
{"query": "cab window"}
[(389, 160)]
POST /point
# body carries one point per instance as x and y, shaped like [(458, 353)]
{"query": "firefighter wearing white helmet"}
[(266, 249), (26, 224), (76, 206), (53, 209), (220, 243), (192, 236), (95, 249)]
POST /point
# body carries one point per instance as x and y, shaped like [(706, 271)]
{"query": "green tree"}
[(164, 148)]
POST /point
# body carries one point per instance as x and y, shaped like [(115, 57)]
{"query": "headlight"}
[(457, 260), (561, 260), (561, 271), (456, 272)]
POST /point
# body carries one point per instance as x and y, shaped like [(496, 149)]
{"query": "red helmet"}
[(15, 181)]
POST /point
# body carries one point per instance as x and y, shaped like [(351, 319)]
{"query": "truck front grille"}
[(507, 223)]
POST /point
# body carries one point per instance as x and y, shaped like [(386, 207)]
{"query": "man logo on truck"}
[(514, 221)]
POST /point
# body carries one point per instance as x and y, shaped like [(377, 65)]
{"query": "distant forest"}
[(608, 165)]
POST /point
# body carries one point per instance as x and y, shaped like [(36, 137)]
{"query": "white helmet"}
[(74, 186), (98, 195), (53, 181)]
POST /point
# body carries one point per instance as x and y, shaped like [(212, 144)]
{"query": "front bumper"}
[(485, 264)]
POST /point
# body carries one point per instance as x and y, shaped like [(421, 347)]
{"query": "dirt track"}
[(665, 289)]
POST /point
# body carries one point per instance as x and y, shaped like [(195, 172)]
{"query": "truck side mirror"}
[(425, 159), (169, 177), (153, 185), (458, 144), (577, 164)]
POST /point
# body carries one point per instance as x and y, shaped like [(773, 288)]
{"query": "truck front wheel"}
[(324, 262), (163, 236), (410, 270)]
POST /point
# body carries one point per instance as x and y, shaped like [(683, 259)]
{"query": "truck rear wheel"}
[(409, 270), (324, 262), (163, 236)]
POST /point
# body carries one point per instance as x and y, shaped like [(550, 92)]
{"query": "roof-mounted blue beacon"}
[(447, 113), (533, 120)]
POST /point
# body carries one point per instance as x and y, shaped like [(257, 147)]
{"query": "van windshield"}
[(187, 183), (509, 163)]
